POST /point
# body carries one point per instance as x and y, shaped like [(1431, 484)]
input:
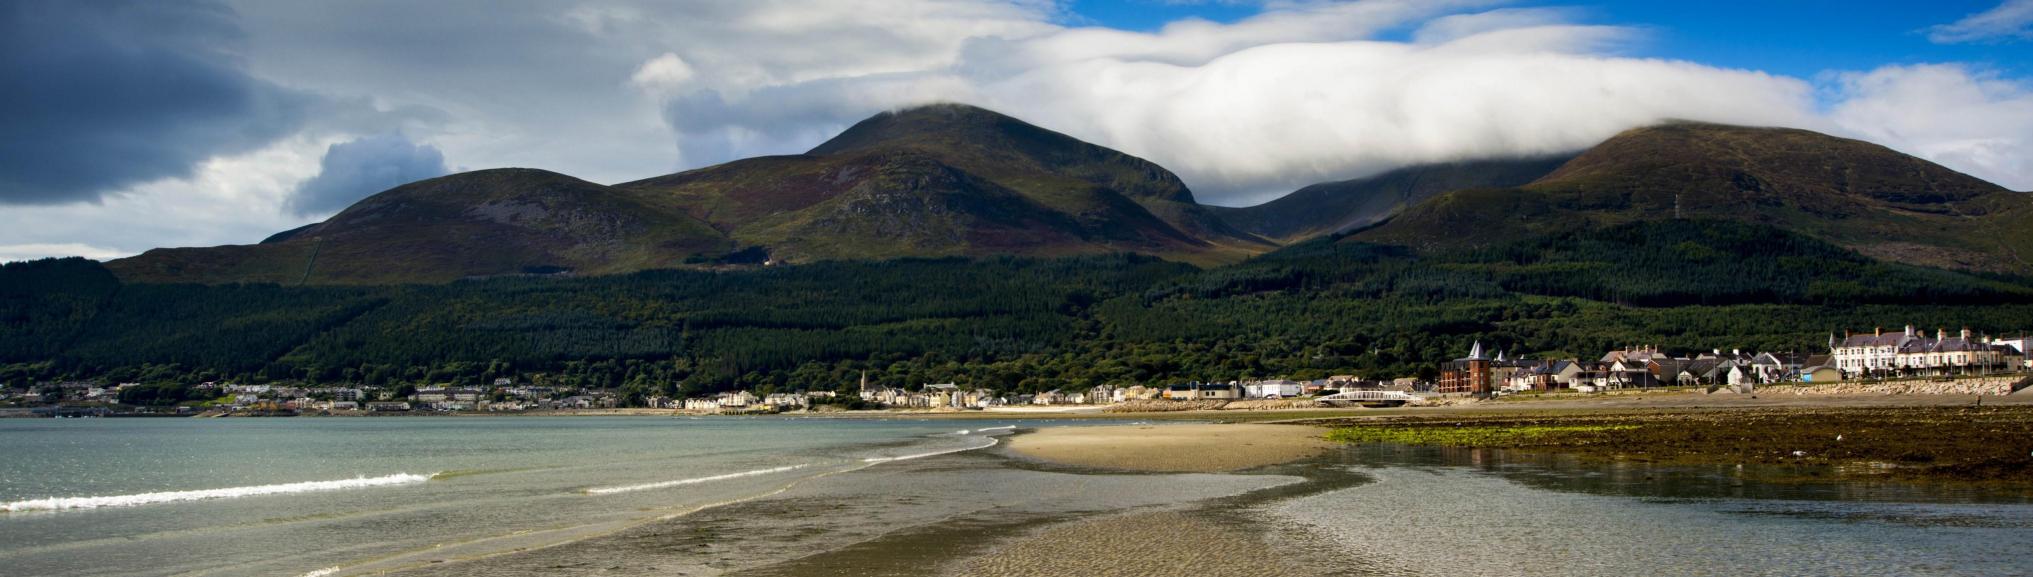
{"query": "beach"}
[(1172, 448), (790, 497)]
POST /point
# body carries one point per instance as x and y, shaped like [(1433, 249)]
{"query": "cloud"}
[(358, 168), (104, 95), (189, 123), (234, 199), (1299, 94), (1968, 119), (1306, 92), (2012, 20), (32, 251)]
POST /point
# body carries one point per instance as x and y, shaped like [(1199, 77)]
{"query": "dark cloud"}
[(103, 94), (359, 168)]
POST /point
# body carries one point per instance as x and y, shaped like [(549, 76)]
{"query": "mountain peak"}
[(949, 118), (987, 142)]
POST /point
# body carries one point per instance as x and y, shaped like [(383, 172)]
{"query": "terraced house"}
[(1912, 353)]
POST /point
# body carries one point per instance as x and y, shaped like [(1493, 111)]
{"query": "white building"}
[(1274, 389), (1911, 352)]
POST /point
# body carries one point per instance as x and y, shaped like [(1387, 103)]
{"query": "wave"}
[(991, 442), (70, 503), (694, 481), (1001, 428)]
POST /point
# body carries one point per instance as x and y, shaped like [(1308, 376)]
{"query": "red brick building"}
[(1470, 374)]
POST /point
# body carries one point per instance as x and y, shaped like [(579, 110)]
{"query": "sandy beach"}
[(1182, 448)]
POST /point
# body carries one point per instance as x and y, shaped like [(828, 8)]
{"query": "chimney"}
[(1940, 334), (1965, 333), (1879, 332), (1909, 331)]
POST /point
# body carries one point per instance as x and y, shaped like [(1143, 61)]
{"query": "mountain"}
[(1342, 206), (482, 223), (931, 181), (1855, 194), (951, 179)]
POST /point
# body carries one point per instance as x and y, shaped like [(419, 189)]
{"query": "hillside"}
[(1342, 206), (1854, 194), (1317, 308), (482, 223), (950, 180), (932, 181)]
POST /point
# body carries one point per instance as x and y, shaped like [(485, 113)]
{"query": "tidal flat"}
[(1989, 446)]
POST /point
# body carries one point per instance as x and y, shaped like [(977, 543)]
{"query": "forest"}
[(1328, 306)]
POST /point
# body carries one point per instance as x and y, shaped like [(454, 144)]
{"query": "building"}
[(1821, 374), (1913, 353), (1274, 389), (1203, 392), (1470, 374)]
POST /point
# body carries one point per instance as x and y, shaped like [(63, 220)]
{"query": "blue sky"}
[(1793, 37)]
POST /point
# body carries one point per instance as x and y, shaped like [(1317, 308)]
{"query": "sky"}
[(135, 124)]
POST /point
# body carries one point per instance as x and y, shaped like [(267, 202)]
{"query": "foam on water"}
[(70, 503), (1001, 428), (692, 481), (991, 442)]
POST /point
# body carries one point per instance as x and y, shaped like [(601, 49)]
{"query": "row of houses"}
[(1913, 353), (1874, 355)]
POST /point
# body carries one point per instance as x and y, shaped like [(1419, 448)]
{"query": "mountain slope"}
[(950, 180), (1341, 206), (1855, 194), (489, 222)]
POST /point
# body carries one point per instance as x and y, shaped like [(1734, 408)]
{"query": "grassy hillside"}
[(1342, 206), (1851, 193), (951, 180), (482, 223)]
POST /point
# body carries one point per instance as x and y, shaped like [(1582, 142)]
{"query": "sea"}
[(322, 497)]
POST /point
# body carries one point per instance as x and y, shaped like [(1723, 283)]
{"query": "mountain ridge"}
[(955, 180)]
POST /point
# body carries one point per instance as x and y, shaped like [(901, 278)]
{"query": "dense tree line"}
[(1315, 309)]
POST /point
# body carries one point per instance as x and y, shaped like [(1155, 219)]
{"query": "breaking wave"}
[(71, 503), (694, 481), (991, 442)]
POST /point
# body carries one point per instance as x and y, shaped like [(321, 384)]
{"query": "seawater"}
[(315, 496), (1475, 512)]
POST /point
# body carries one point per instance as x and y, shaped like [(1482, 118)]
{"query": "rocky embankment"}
[(1978, 386)]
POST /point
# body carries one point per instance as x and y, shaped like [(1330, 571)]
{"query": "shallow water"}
[(1469, 512), (788, 497), (295, 496)]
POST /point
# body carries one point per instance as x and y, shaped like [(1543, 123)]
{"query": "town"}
[(1876, 356)]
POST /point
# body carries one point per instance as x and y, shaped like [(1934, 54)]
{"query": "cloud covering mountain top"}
[(262, 98)]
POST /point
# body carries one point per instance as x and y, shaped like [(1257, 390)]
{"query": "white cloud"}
[(32, 251), (1965, 119), (663, 76), (232, 200), (2012, 20), (1307, 92)]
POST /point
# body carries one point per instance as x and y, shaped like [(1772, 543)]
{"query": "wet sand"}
[(1138, 545), (1184, 448)]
